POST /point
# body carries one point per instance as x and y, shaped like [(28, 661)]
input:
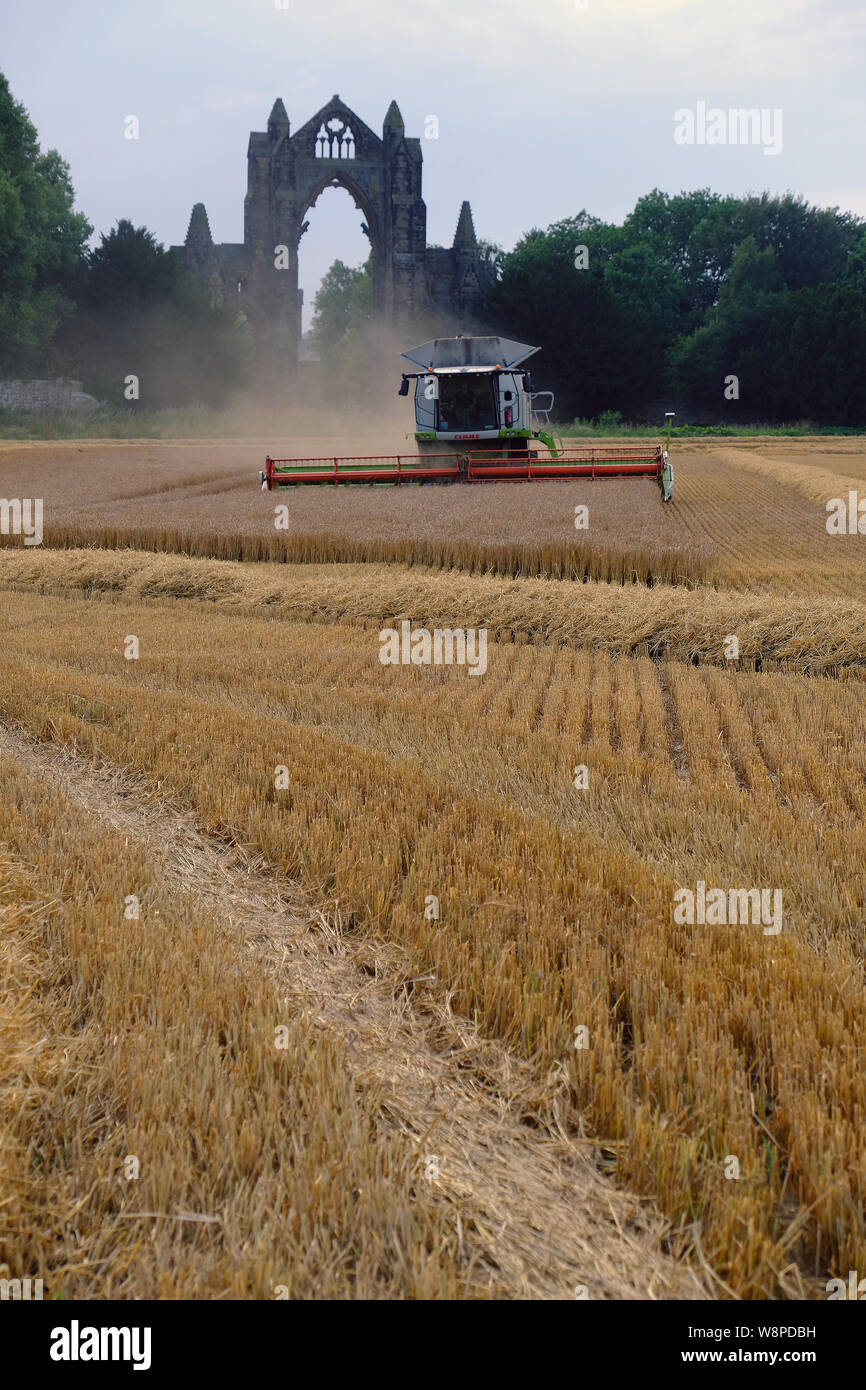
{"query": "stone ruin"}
[(285, 175)]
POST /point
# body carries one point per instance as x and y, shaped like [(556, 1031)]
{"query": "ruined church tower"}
[(285, 175)]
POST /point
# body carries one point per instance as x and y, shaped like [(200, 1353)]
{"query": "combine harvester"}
[(474, 423)]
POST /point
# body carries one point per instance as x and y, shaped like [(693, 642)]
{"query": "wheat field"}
[(750, 515), (258, 708)]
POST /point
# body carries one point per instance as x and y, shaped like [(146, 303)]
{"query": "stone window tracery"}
[(335, 140)]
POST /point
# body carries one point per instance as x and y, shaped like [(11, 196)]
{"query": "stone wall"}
[(59, 394)]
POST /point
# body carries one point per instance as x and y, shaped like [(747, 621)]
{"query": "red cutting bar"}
[(395, 469), (584, 463), (374, 475), (502, 468)]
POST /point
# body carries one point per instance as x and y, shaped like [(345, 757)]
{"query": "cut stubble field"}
[(412, 785)]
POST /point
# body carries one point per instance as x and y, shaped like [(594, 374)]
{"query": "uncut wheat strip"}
[(605, 560), (807, 634), (538, 1209)]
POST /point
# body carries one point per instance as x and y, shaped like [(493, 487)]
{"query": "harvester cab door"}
[(511, 397), (426, 403)]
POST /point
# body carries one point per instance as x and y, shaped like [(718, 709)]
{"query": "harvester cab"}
[(472, 390)]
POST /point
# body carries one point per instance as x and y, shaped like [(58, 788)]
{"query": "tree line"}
[(123, 311), (749, 308), (746, 308)]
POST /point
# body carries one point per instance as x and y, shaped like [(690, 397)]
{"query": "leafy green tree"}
[(698, 233), (692, 235), (41, 240), (812, 244), (821, 348), (343, 305), (645, 296), (343, 332), (736, 339), (691, 290), (142, 313), (554, 295)]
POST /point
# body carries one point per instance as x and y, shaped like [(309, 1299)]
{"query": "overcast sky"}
[(544, 106)]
